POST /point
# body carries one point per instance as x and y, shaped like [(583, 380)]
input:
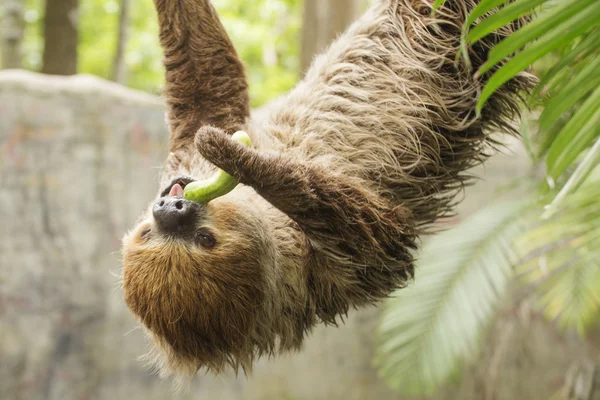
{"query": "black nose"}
[(175, 216)]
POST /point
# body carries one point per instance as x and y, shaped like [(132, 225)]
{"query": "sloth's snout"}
[(175, 216)]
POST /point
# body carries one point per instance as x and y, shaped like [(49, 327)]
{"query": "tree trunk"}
[(323, 21), (120, 71), (339, 14), (13, 28), (310, 34), (60, 33)]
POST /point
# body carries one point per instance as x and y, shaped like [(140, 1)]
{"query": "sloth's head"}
[(197, 277)]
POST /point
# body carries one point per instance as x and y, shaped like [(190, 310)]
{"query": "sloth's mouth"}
[(175, 188)]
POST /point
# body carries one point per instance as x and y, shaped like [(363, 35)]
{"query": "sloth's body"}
[(346, 171)]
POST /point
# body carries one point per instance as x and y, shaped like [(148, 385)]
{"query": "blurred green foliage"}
[(266, 34)]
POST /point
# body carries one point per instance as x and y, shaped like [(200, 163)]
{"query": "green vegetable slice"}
[(217, 185)]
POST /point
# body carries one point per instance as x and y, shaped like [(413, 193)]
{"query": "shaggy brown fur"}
[(348, 169), (205, 78)]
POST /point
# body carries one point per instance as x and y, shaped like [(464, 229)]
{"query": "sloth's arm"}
[(359, 242), (205, 79)]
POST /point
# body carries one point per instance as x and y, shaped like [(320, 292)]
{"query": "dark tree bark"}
[(119, 69), (13, 28), (323, 21), (60, 34)]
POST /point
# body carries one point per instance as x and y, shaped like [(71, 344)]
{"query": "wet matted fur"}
[(347, 171)]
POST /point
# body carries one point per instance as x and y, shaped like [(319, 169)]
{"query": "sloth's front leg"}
[(205, 78), (361, 245)]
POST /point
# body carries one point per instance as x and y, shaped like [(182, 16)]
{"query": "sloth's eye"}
[(145, 233), (205, 238)]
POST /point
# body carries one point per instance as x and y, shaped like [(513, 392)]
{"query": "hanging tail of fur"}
[(458, 139), (461, 139)]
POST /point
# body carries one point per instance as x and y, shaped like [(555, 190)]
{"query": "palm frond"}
[(582, 83), (428, 328), (509, 13), (437, 5), (561, 257), (571, 58), (543, 35), (568, 92), (585, 170), (483, 8), (576, 136)]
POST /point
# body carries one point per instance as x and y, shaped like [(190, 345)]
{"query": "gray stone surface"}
[(79, 159)]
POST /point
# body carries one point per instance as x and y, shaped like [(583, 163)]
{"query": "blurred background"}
[(118, 39), (506, 304)]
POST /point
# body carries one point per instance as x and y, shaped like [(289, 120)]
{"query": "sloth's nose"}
[(175, 216)]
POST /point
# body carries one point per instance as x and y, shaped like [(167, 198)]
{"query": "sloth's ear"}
[(205, 79)]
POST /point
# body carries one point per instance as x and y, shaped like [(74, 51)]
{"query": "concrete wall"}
[(79, 159)]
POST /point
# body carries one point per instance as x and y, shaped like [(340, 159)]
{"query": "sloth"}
[(347, 172)]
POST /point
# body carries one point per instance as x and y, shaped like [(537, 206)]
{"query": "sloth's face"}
[(194, 275)]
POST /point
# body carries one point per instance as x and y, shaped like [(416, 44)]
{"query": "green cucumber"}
[(217, 185)]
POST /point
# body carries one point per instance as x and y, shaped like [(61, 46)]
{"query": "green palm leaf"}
[(547, 23), (578, 133), (567, 25), (484, 7), (589, 45), (430, 327), (502, 17), (437, 4), (585, 170), (570, 81), (579, 86), (562, 258)]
